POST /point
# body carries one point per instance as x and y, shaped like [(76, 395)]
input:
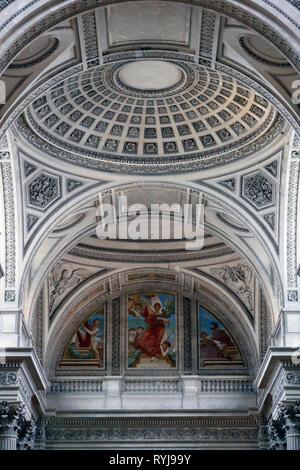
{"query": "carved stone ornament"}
[(26, 435), (238, 278), (10, 415), (62, 280)]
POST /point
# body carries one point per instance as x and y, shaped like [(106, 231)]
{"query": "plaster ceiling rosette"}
[(150, 116)]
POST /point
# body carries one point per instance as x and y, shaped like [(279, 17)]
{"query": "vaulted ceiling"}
[(162, 102)]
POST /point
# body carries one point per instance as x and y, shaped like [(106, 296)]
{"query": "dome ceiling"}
[(146, 112)]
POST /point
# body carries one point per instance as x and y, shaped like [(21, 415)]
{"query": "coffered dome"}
[(152, 111)]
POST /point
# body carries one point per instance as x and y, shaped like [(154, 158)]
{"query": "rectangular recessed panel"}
[(293, 323), (151, 21)]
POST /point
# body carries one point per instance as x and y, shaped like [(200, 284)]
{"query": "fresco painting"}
[(151, 331), (217, 348), (86, 348)]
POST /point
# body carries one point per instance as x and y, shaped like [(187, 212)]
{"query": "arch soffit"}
[(233, 317)]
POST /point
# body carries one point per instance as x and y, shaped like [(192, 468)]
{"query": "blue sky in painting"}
[(100, 316), (205, 319)]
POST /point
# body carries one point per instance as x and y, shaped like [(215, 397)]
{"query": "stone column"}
[(291, 413), (9, 418)]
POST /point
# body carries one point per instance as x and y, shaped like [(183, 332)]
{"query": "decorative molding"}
[(291, 246), (293, 377), (257, 189), (276, 435), (31, 220), (187, 332), (83, 137), (10, 296), (286, 426), (20, 66), (43, 190), (292, 296), (9, 210), (272, 168), (228, 184), (116, 319), (92, 252), (90, 35), (270, 218), (262, 60), (153, 165), (9, 378), (62, 280), (150, 430), (208, 23), (29, 168), (243, 78), (26, 435), (222, 217), (264, 326), (72, 184), (219, 6), (38, 319), (239, 278)]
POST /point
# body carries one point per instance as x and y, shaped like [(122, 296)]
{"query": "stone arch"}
[(82, 233), (74, 312)]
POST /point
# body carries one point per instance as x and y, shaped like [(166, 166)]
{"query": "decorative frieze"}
[(116, 336), (150, 431), (8, 378), (208, 23), (291, 262), (9, 210), (90, 35), (264, 323), (187, 331)]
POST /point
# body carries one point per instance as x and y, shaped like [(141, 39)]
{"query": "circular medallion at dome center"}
[(150, 75)]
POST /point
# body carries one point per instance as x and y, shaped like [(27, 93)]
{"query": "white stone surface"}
[(156, 21), (150, 74)]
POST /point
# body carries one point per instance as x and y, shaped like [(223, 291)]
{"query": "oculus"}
[(150, 74)]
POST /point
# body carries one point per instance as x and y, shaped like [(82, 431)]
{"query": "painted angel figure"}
[(151, 339)]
